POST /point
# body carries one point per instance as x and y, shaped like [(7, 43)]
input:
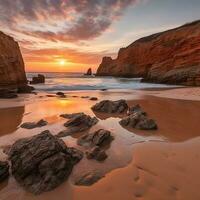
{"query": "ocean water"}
[(77, 81)]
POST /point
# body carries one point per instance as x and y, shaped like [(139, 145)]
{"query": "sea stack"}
[(12, 72), (89, 72), (171, 57)]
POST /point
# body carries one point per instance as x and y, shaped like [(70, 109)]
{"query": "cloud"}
[(71, 55), (61, 20)]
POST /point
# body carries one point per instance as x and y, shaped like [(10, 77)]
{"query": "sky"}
[(73, 35)]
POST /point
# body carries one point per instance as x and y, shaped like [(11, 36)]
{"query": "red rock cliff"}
[(171, 57), (12, 71)]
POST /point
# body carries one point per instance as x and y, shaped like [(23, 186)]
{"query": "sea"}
[(78, 81)]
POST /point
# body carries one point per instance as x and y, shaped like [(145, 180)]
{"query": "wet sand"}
[(161, 164)]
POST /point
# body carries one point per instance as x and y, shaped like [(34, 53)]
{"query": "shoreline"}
[(177, 119)]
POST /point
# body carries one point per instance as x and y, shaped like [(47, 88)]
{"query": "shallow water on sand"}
[(178, 124)]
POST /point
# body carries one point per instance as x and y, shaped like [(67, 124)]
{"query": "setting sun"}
[(62, 62)]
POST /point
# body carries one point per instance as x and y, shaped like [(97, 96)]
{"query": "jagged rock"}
[(38, 79), (61, 94), (77, 122), (169, 57), (139, 121), (31, 125), (96, 141), (84, 97), (146, 124), (97, 138), (93, 98), (135, 109), (69, 116), (7, 94), (25, 89), (89, 72), (108, 106), (42, 162), (96, 153), (4, 170), (89, 178)]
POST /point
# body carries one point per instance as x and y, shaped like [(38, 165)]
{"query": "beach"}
[(158, 164)]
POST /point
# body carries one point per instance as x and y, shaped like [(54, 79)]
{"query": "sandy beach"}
[(160, 164)]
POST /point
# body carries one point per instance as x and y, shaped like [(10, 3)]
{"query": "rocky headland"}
[(171, 57), (12, 70)]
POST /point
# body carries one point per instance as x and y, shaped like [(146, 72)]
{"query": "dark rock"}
[(42, 162), (146, 124), (108, 106), (7, 94), (93, 98), (85, 97), (138, 121), (31, 125), (25, 89), (61, 94), (89, 178), (77, 122), (38, 79), (135, 109), (69, 116), (96, 153), (4, 170), (89, 72), (98, 138)]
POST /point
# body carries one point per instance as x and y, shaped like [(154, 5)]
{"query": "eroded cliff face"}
[(12, 73), (171, 57)]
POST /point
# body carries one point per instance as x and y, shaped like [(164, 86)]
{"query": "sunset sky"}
[(72, 35)]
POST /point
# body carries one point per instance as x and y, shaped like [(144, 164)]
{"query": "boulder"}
[(60, 94), (25, 89), (4, 170), (42, 162), (108, 106), (31, 125), (77, 122), (139, 121), (96, 142), (38, 79), (93, 98), (70, 116), (96, 153), (97, 138), (135, 109)]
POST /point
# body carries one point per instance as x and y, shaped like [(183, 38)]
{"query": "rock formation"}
[(138, 119), (38, 79), (77, 122), (108, 106), (12, 71), (4, 170), (42, 162), (171, 56), (89, 72)]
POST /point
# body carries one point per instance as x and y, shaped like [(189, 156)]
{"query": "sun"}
[(62, 62)]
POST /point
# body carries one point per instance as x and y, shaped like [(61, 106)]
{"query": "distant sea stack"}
[(171, 57), (12, 72), (89, 72)]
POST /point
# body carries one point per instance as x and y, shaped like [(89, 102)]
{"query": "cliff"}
[(12, 72), (170, 57)]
